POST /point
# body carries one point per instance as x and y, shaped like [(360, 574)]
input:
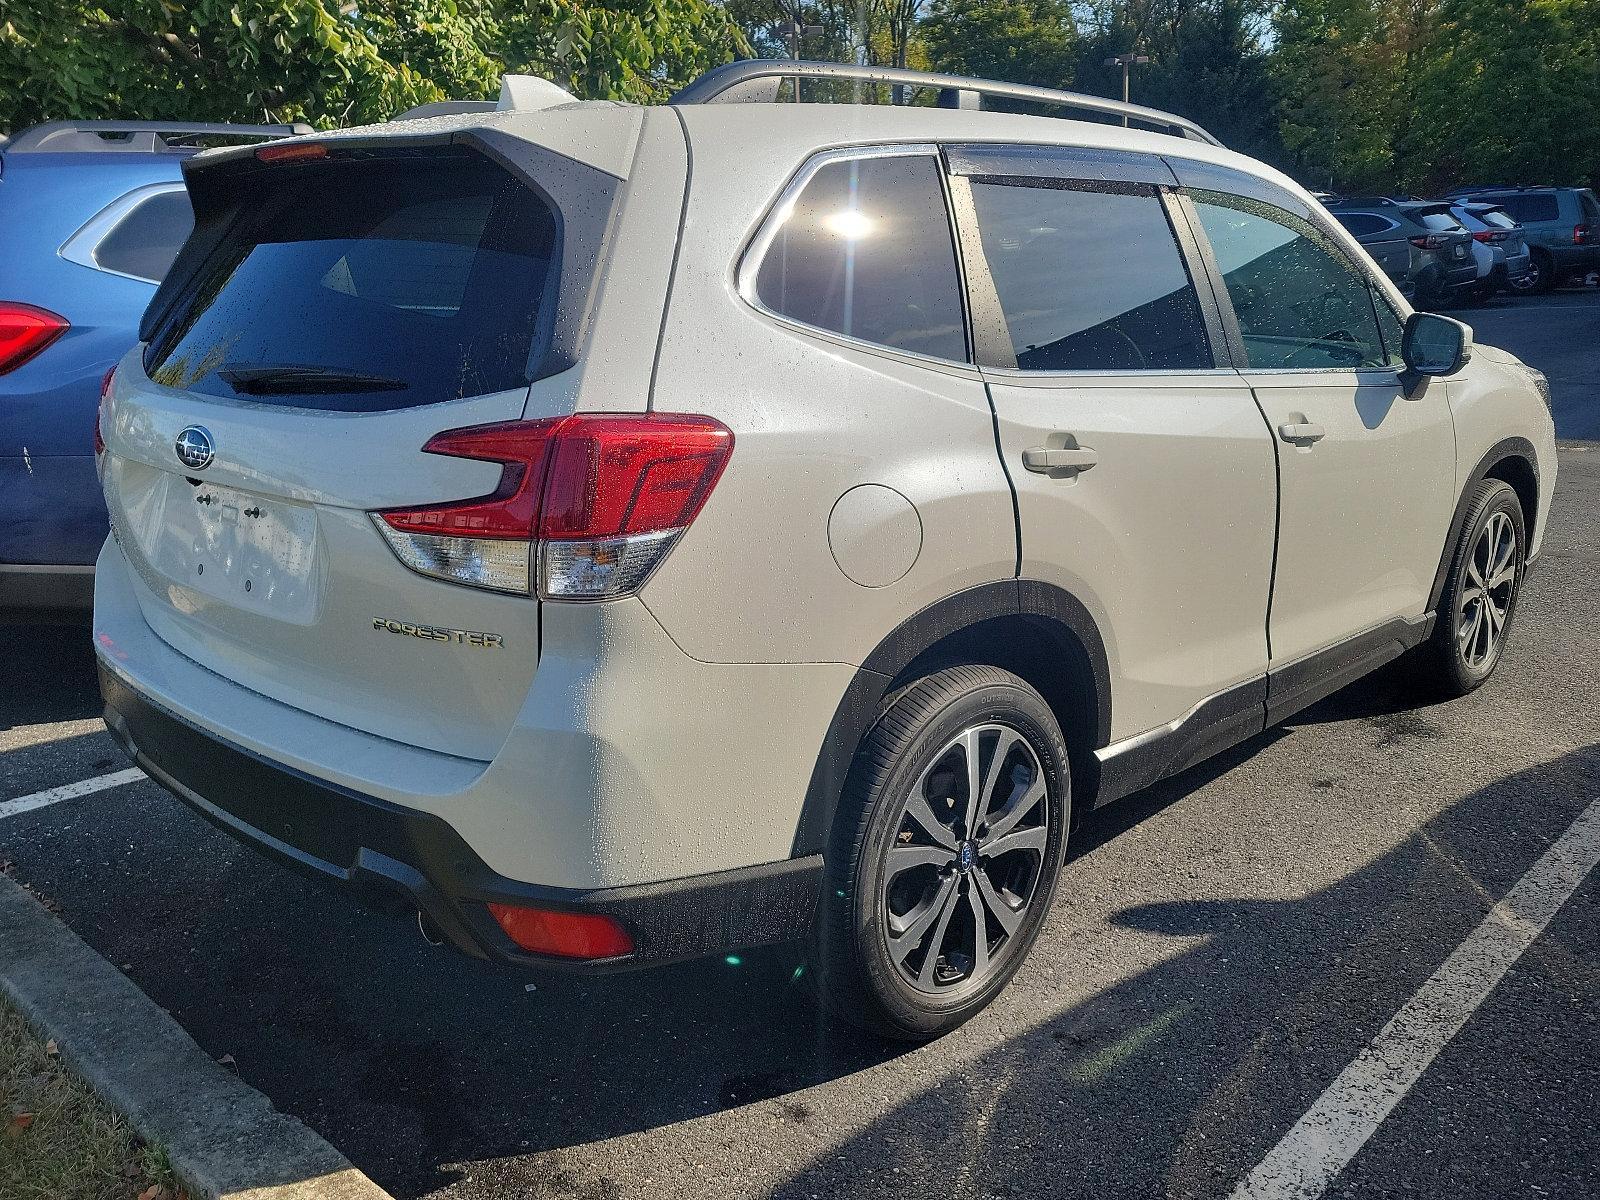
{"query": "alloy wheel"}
[(966, 859), (1487, 592)]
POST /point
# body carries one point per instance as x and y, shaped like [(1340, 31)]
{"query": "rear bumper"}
[(397, 858)]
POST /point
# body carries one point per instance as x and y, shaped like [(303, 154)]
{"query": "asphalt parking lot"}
[(1225, 945)]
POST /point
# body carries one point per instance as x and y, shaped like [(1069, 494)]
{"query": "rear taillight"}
[(1427, 241), (24, 331), (1580, 235), (293, 152), (563, 934), (586, 508), (1489, 235), (105, 390)]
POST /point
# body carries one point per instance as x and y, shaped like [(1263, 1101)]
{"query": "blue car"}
[(91, 215)]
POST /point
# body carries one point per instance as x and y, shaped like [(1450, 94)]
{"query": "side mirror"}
[(1435, 345)]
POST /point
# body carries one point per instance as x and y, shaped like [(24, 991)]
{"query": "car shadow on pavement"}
[(1176, 1081), (47, 673)]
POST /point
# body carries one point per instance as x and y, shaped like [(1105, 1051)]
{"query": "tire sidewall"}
[(1500, 498), (910, 1012)]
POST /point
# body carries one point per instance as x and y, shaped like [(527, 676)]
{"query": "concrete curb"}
[(224, 1138)]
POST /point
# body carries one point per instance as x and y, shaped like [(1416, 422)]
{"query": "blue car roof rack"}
[(757, 80), (134, 137)]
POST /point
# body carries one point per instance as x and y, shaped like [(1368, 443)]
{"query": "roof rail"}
[(756, 80), (138, 137)]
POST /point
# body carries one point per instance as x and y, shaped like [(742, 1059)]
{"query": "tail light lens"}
[(563, 934), (24, 331), (1428, 241), (105, 390), (586, 508), (1580, 235), (294, 152), (1489, 235)]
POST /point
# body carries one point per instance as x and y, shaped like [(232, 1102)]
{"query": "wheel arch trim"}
[(914, 638), (1518, 448)]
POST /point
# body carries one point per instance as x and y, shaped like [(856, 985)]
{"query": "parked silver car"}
[(1490, 225), (617, 562), (1419, 245)]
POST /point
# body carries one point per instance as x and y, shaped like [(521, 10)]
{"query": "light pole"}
[(1125, 61), (794, 35)]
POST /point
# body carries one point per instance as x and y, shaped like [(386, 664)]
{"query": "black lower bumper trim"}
[(394, 857)]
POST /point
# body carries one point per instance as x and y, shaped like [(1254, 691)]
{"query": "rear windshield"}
[(1496, 218), (367, 285), (1437, 219)]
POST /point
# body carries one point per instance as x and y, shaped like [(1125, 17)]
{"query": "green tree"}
[(1507, 91), (1207, 62), (1023, 41), (333, 62)]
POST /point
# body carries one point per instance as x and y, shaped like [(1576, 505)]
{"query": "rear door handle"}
[(1044, 459), (1302, 433)]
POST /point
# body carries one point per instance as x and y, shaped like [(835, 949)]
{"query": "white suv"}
[(625, 534)]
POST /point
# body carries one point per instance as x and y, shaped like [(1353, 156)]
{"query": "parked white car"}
[(625, 534)]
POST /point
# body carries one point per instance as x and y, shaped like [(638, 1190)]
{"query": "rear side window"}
[(1363, 224), (145, 242), (368, 285), (1526, 209), (866, 251), (1300, 302), (1591, 206), (1090, 280)]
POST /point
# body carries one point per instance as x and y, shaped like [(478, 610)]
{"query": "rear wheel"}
[(1541, 276), (1480, 594), (945, 853)]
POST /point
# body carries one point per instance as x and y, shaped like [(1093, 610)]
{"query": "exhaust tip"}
[(428, 929)]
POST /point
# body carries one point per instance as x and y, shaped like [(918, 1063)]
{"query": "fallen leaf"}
[(51, 1049), (227, 1060), (19, 1122), (155, 1191)]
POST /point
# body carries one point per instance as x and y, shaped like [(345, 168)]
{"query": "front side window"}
[(866, 251), (145, 242), (1300, 302), (1090, 280)]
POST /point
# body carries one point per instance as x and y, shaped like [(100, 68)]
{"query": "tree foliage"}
[(337, 63), (1023, 41)]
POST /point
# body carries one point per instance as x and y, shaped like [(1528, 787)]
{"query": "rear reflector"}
[(562, 934), (591, 502), (105, 390), (24, 331), (294, 152)]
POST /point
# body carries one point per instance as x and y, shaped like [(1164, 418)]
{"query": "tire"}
[(1541, 277), (1469, 635), (897, 947)]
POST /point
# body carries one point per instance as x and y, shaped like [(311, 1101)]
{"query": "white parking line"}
[(68, 791), (1304, 1163)]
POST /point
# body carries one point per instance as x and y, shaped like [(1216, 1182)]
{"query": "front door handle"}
[(1044, 459), (1302, 433)]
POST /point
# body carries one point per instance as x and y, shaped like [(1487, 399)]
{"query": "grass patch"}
[(58, 1140)]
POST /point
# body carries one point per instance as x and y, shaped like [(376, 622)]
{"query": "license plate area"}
[(253, 553)]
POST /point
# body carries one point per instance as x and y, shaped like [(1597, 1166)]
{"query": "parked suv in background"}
[(1561, 224), (1491, 226), (1419, 245), (617, 563), (91, 215)]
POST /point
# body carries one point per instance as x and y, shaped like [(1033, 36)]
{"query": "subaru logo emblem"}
[(966, 856), (194, 448)]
